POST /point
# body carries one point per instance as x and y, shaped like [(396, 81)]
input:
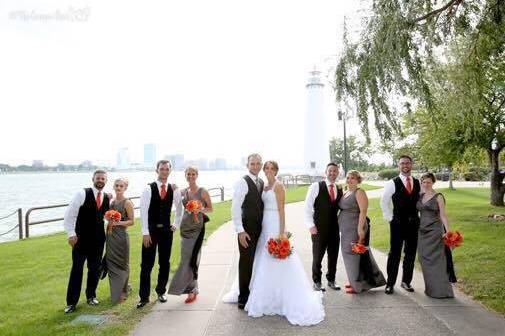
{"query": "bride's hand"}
[(283, 236)]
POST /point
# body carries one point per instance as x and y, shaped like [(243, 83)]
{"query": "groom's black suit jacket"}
[(252, 208)]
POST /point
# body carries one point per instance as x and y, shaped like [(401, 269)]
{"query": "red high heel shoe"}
[(191, 298), (348, 285), (349, 290)]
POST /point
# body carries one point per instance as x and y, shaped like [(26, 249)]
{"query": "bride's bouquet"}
[(280, 248)]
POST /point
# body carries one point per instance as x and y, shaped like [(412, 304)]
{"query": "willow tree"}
[(391, 71)]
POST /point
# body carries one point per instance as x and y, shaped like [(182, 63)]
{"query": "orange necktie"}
[(163, 193), (99, 200), (409, 185), (332, 193)]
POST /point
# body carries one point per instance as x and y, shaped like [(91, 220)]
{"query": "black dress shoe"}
[(142, 304), (389, 290), (407, 287), (93, 302), (241, 306), (318, 287), (162, 298), (69, 309), (332, 285)]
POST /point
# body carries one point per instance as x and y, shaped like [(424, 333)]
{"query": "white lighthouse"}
[(316, 154)]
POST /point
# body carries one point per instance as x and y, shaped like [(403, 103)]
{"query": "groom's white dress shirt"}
[(70, 217), (311, 198), (145, 201), (387, 194), (240, 190)]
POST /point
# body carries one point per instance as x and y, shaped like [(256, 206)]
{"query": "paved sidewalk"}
[(371, 313)]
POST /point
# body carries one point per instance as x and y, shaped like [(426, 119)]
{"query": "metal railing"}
[(298, 180), (29, 223), (19, 225)]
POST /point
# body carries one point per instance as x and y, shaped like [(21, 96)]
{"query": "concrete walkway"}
[(371, 313)]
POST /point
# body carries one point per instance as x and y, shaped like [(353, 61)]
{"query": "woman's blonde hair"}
[(193, 168), (122, 179), (356, 174)]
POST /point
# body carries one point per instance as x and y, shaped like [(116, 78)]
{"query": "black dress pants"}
[(404, 234), (162, 241), (325, 242), (83, 251), (245, 266)]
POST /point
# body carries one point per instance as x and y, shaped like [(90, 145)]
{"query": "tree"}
[(396, 65), (357, 152)]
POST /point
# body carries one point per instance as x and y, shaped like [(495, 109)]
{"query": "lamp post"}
[(342, 117)]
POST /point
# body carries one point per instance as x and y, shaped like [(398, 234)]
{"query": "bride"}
[(278, 287)]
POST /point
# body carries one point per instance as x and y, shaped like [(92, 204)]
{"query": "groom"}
[(321, 209), (247, 215)]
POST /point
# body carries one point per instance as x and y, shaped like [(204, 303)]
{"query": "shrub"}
[(388, 174), (442, 176)]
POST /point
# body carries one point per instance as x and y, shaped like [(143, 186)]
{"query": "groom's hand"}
[(72, 241), (313, 230), (146, 240), (243, 237)]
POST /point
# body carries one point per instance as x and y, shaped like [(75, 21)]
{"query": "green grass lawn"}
[(480, 262), (34, 274)]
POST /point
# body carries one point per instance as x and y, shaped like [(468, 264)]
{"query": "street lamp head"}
[(339, 113)]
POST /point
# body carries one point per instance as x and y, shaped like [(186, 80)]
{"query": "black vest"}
[(325, 211), (90, 224), (158, 216), (404, 204), (252, 207)]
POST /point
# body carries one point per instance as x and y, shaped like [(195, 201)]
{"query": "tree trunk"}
[(451, 186), (497, 176)]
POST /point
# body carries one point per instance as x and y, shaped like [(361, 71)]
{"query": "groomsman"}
[(84, 225), (247, 215), (321, 210), (403, 192), (155, 211)]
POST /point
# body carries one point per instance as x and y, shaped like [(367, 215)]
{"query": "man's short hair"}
[(99, 171), (253, 155), (405, 156), (332, 164), (162, 162)]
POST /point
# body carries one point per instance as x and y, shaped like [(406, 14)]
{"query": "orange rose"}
[(358, 248)]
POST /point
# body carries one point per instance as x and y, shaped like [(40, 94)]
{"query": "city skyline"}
[(193, 83)]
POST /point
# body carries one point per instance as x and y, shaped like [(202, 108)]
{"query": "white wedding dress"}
[(279, 287)]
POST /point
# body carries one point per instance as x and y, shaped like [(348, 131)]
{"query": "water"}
[(40, 189)]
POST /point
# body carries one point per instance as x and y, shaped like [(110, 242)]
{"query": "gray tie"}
[(258, 185)]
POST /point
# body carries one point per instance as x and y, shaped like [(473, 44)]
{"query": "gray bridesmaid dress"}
[(185, 279), (431, 250), (362, 271), (117, 256)]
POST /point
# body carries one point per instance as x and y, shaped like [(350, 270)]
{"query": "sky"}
[(221, 78)]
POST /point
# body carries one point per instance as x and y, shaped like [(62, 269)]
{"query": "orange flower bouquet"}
[(112, 216), (453, 239), (358, 248), (194, 207), (280, 248)]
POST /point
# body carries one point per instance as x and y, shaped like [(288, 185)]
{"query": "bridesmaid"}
[(431, 247), (117, 255), (185, 280), (362, 270)]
